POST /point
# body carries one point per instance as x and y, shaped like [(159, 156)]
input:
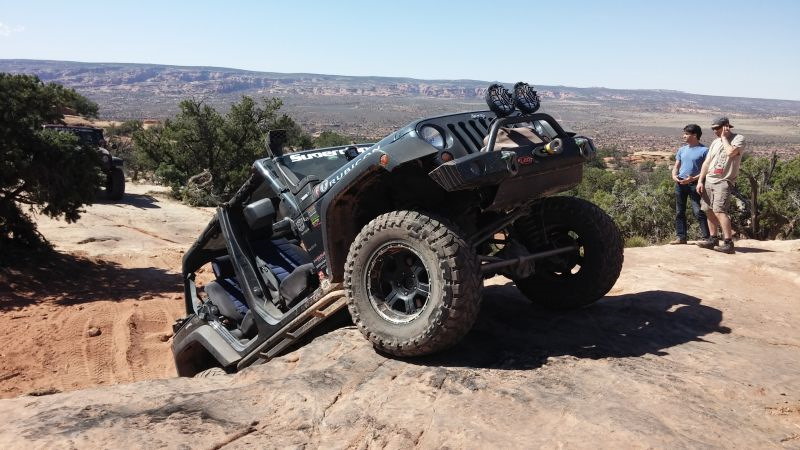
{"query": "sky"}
[(732, 48)]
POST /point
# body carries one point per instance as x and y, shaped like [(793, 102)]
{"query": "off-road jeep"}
[(402, 231), (114, 186)]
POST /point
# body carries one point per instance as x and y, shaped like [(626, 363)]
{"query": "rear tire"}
[(412, 283), (212, 372), (115, 184), (576, 279)]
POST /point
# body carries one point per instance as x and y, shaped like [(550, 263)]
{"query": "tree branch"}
[(11, 197)]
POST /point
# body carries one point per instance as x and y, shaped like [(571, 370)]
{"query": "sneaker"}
[(726, 247), (708, 243), (677, 241)]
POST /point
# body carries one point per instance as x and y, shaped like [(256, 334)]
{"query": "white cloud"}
[(8, 30)]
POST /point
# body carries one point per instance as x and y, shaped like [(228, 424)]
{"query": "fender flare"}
[(194, 336)]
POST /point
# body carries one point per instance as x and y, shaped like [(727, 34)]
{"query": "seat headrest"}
[(260, 215)]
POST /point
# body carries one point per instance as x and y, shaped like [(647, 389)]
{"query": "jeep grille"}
[(470, 133)]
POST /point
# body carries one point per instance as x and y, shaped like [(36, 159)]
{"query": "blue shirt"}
[(691, 159)]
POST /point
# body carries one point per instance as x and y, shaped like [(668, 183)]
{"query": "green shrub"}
[(643, 203), (201, 139), (636, 241), (331, 139)]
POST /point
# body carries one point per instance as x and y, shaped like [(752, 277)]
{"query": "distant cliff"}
[(133, 86)]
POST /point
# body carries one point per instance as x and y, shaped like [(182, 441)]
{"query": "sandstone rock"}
[(691, 348), (647, 366), (93, 331)]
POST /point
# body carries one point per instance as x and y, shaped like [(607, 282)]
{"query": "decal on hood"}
[(327, 183), (321, 154)]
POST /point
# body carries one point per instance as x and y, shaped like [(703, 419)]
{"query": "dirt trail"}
[(118, 272)]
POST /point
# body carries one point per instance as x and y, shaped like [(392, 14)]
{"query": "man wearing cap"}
[(686, 172), (717, 178)]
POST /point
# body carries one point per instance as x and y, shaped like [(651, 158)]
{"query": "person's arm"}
[(675, 169), (702, 177), (730, 150)]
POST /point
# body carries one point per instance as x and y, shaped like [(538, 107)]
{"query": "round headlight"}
[(432, 136)]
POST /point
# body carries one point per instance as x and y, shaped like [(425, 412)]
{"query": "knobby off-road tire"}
[(578, 278), (212, 372), (115, 184), (413, 285)]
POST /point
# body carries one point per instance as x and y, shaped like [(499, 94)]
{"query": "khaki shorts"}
[(715, 196)]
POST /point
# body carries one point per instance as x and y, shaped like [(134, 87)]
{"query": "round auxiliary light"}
[(432, 136)]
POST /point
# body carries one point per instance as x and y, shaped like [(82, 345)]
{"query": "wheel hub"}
[(409, 283), (567, 263), (398, 282)]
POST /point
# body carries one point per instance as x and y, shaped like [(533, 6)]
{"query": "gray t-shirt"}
[(721, 167)]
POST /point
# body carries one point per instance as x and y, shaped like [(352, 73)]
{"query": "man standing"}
[(686, 171), (717, 178)]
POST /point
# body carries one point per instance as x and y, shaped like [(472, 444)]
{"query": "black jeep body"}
[(402, 232), (112, 166)]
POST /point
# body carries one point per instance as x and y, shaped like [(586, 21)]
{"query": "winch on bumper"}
[(478, 169), (522, 173)]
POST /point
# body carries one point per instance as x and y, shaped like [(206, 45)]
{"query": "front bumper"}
[(520, 174), (475, 170)]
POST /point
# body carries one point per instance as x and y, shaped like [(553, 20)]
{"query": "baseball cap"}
[(721, 121)]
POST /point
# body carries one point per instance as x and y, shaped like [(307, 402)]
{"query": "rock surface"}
[(691, 348)]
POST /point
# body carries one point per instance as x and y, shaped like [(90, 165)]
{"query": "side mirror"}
[(276, 139), (351, 153)]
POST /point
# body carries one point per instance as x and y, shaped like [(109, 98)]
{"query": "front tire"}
[(412, 283), (115, 184), (211, 372), (575, 279)]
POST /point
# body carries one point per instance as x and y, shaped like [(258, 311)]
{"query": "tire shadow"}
[(141, 201), (511, 333)]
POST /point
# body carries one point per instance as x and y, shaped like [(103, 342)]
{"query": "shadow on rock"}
[(69, 280), (511, 333), (141, 201), (752, 250)]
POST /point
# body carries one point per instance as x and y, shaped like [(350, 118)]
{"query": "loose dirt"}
[(117, 271)]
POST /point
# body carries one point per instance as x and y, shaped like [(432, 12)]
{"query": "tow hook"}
[(510, 159)]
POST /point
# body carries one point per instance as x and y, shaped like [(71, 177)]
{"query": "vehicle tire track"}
[(148, 354), (98, 351), (121, 370)]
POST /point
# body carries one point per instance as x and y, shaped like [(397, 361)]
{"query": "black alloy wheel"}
[(398, 282), (576, 278), (413, 285), (566, 264)]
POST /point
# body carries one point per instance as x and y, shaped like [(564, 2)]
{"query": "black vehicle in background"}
[(403, 232), (114, 186)]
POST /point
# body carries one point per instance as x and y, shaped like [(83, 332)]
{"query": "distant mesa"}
[(371, 107), (136, 80)]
